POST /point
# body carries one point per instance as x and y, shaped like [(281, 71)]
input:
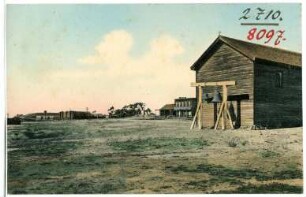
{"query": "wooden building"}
[(167, 110), (268, 83), (76, 115), (185, 107), (40, 116)]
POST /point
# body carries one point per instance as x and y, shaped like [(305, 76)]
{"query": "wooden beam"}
[(195, 117), (220, 83), (230, 119), (219, 115), (200, 110), (225, 107), (223, 120)]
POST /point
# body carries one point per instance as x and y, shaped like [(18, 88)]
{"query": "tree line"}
[(135, 109)]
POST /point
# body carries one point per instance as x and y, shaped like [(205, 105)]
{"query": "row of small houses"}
[(63, 115), (262, 87)]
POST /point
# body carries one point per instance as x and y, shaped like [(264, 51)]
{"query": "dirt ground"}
[(150, 156)]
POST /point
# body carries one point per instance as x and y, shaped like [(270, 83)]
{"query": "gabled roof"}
[(253, 52), (168, 107)]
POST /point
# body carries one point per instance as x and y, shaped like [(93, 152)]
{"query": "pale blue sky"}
[(48, 38), (76, 28)]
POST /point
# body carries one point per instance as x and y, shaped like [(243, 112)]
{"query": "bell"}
[(217, 97)]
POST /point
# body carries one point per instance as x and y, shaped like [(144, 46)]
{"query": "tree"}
[(148, 111), (111, 111), (129, 110)]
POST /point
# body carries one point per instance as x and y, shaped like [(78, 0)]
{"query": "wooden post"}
[(219, 115), (200, 110), (195, 117), (230, 119), (223, 119), (223, 108)]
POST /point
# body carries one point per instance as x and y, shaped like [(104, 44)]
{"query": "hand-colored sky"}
[(62, 57)]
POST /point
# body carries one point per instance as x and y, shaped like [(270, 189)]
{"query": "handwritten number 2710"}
[(272, 14)]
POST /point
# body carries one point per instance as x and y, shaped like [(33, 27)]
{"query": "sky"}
[(70, 57)]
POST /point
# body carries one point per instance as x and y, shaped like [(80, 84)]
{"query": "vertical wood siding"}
[(277, 106), (226, 64)]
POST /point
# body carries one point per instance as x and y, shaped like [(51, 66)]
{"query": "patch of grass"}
[(233, 142), (288, 174), (43, 169), (34, 133), (90, 187), (107, 130), (177, 169), (18, 191), (268, 153), (169, 144), (156, 178), (30, 134), (145, 167), (274, 188), (165, 186), (204, 184), (58, 176), (228, 172), (72, 187), (217, 170), (45, 149)]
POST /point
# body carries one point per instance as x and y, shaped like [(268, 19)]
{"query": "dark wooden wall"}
[(226, 64), (277, 106)]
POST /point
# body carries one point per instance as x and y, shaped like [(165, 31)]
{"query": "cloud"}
[(165, 46), (113, 49), (113, 77)]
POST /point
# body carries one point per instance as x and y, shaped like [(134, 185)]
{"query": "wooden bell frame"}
[(223, 114)]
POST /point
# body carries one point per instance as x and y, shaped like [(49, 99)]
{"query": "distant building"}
[(167, 110), (76, 115), (40, 116), (99, 115), (185, 107), (13, 121)]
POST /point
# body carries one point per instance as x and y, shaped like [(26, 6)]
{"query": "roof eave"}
[(196, 63), (219, 38), (282, 63)]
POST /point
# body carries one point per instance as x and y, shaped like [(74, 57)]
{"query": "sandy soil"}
[(151, 156)]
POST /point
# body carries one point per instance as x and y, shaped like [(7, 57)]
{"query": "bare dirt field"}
[(150, 156)]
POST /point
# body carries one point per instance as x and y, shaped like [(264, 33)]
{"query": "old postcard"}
[(197, 98)]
